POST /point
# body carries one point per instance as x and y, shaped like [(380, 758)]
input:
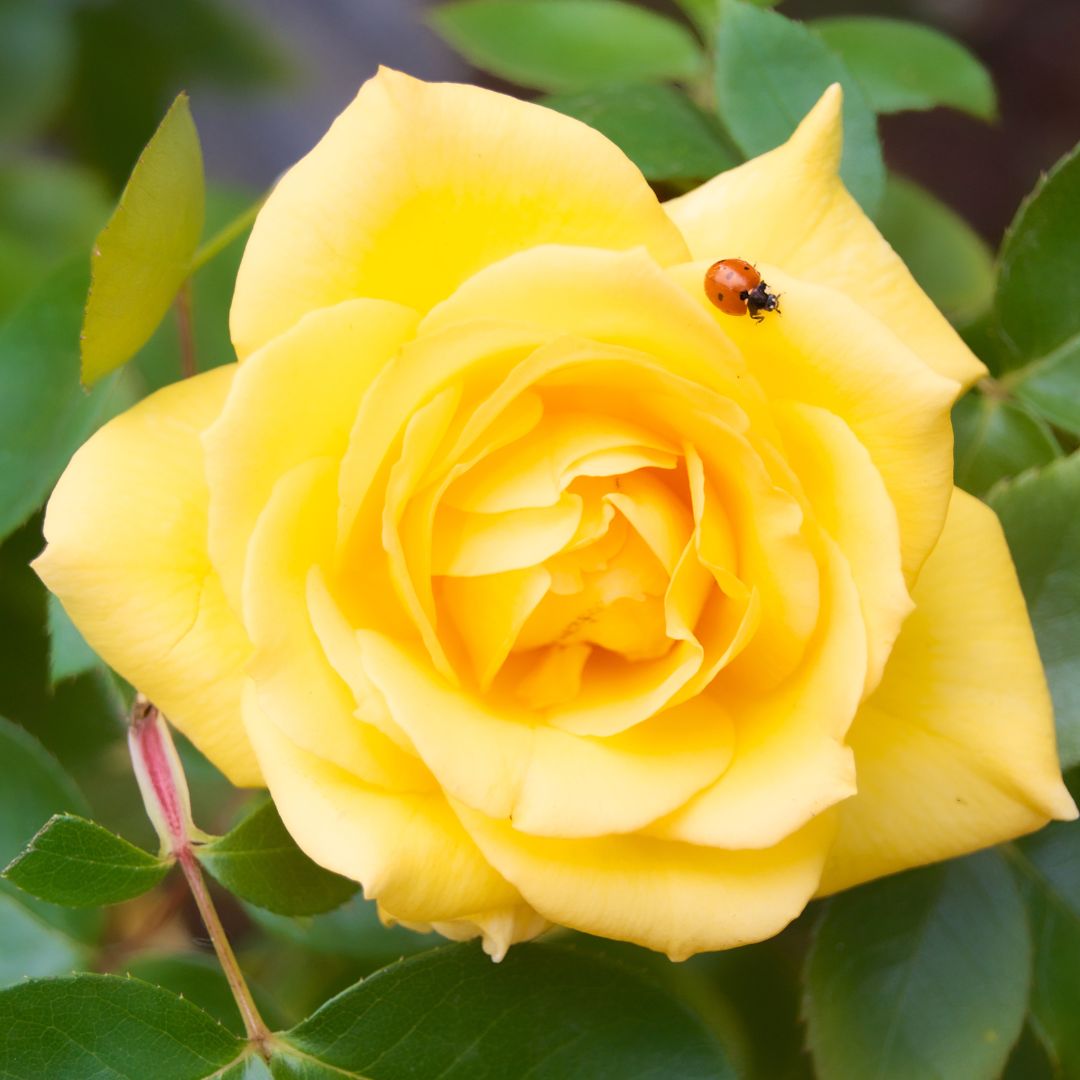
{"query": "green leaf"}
[(1037, 305), (69, 654), (260, 862), (903, 65), (760, 985), (77, 863), (143, 254), (923, 974), (108, 1028), (77, 719), (31, 947), (32, 788), (1040, 512), (770, 71), (45, 415), (568, 44), (199, 979), (545, 1012), (1029, 1060), (49, 211), (997, 439), (944, 254), (352, 930), (37, 52), (158, 362), (1048, 865), (705, 14), (662, 132)]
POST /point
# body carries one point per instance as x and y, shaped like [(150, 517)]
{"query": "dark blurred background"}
[(268, 76)]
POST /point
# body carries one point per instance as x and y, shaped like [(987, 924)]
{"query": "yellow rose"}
[(536, 589)]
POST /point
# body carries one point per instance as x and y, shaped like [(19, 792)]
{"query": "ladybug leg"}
[(757, 316)]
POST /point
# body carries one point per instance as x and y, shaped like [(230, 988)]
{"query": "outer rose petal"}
[(416, 186), (127, 556), (409, 850), (789, 207), (677, 898), (955, 750)]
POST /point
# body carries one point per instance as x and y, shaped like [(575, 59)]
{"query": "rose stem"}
[(222, 239), (186, 331), (164, 791)]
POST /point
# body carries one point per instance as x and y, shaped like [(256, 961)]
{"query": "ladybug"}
[(735, 287)]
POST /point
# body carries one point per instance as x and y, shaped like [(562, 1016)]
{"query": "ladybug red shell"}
[(736, 288)]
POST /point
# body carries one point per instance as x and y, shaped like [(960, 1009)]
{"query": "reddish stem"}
[(164, 791)]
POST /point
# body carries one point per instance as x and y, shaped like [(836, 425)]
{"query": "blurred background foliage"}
[(84, 84)]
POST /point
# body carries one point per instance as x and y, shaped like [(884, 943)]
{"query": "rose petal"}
[(789, 208), (417, 186), (127, 557), (955, 751)]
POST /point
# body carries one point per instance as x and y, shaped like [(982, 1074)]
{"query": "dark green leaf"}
[(76, 719), (108, 1028), (69, 655), (36, 54), (1051, 387), (903, 65), (1040, 512), (49, 211), (997, 439), (568, 44), (923, 974), (199, 979), (260, 862), (770, 71), (946, 256), (1029, 1060), (45, 415), (545, 1012), (143, 255), (352, 930), (32, 788), (31, 947), (760, 985), (1049, 871), (77, 863), (662, 132), (1037, 304)]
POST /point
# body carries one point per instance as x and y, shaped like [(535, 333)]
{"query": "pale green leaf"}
[(143, 255)]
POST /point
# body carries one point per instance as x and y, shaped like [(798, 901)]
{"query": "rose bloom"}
[(536, 589)]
